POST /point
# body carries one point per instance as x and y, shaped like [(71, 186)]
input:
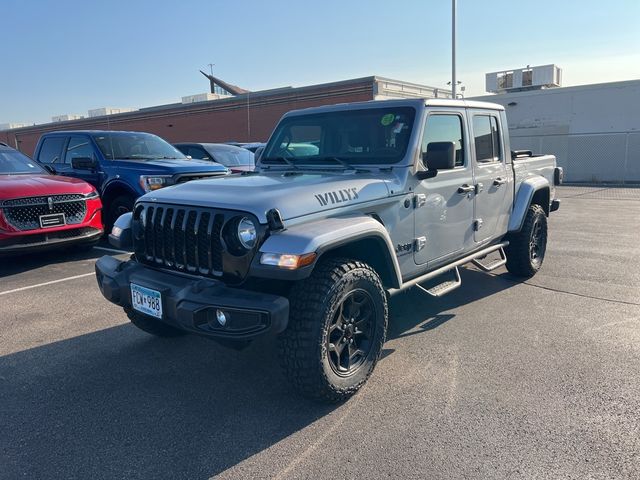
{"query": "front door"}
[(492, 176), (444, 204), (79, 147)]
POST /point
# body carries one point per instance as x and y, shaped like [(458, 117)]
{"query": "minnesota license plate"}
[(146, 300)]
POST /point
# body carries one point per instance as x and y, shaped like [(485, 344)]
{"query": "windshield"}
[(13, 162), (379, 135), (233, 158), (135, 146)]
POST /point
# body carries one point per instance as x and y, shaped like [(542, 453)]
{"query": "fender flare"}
[(526, 191), (322, 236)]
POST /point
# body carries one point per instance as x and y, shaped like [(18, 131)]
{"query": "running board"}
[(444, 287), (438, 271), (492, 266)]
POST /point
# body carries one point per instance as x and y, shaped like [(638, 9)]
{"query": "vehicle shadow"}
[(16, 264), (118, 403), (413, 312)]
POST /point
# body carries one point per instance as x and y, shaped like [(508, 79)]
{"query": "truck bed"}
[(531, 166)]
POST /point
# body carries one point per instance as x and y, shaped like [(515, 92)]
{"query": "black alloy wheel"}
[(351, 332)]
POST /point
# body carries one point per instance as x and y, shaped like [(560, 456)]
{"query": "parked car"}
[(395, 194), (121, 165), (251, 146), (39, 210), (236, 159)]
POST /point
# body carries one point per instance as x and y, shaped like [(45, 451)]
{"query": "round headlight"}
[(247, 233)]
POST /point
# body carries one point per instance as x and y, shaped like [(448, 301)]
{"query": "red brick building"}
[(245, 117)]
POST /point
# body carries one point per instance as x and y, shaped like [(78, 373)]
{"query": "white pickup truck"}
[(349, 204)]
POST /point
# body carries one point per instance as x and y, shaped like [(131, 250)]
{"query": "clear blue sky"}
[(68, 56)]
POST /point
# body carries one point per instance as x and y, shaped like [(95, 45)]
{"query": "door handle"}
[(464, 189), (499, 181)]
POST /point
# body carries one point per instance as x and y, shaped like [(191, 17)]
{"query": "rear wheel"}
[(527, 248), (336, 330), (119, 205), (153, 326)]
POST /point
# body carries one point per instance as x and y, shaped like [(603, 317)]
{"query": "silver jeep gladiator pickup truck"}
[(349, 204)]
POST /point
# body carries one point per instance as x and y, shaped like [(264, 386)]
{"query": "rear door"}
[(492, 176), (444, 204)]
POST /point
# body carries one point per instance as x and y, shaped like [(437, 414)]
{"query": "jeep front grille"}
[(24, 213), (186, 239)]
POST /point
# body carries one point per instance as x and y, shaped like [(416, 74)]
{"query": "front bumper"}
[(21, 243), (191, 304)]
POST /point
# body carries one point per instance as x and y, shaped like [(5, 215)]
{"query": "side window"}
[(78, 147), (197, 153), (50, 150), (486, 137), (445, 128)]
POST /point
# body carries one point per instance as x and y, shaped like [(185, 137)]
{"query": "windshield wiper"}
[(339, 160), (279, 159)]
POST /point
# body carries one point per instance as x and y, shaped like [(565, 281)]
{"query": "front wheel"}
[(337, 327), (527, 248), (119, 206)]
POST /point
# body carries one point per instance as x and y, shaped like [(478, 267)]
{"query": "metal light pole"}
[(454, 82)]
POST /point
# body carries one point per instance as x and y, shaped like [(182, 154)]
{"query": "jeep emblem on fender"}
[(50, 203)]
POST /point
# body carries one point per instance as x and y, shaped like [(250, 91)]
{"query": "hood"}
[(15, 186), (294, 195), (169, 166)]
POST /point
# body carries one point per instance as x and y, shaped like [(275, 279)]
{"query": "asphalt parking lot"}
[(499, 379)]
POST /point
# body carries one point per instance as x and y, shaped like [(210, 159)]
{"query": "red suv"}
[(39, 210)]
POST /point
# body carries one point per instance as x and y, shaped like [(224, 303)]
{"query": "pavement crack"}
[(557, 290)]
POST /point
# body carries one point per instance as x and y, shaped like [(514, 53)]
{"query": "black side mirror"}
[(84, 163), (440, 156), (50, 169)]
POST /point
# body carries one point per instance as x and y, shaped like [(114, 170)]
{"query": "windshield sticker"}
[(398, 127), (338, 196), (387, 119)]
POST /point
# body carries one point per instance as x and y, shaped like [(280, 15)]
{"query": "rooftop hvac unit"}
[(528, 78)]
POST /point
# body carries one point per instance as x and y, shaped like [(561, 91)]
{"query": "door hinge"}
[(419, 243), (419, 200), (479, 188), (477, 224)]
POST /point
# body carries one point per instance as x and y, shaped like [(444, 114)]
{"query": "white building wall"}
[(594, 130)]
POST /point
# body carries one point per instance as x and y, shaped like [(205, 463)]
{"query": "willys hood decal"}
[(294, 195)]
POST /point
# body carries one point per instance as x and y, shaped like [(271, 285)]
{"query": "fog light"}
[(221, 317)]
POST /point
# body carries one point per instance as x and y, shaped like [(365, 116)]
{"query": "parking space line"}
[(46, 283), (112, 250)]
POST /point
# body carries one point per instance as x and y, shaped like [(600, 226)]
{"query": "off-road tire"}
[(117, 207), (520, 259), (314, 304), (153, 326)]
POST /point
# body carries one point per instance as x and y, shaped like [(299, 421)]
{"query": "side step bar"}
[(443, 288), (492, 266), (451, 266)]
